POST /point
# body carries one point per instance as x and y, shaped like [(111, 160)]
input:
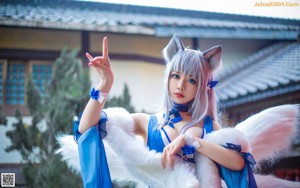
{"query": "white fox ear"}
[(213, 57), (175, 45)]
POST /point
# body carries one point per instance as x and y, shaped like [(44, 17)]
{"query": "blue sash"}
[(243, 178)]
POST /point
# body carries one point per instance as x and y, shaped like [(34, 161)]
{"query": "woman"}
[(189, 110)]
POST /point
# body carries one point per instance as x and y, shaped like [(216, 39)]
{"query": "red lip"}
[(179, 95)]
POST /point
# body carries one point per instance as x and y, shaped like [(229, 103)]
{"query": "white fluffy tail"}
[(207, 172), (69, 151), (271, 131)]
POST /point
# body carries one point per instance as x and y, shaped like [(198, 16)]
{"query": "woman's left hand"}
[(171, 150), (102, 65)]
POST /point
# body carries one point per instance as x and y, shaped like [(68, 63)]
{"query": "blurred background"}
[(45, 80)]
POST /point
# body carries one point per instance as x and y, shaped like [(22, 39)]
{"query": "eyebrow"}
[(193, 77)]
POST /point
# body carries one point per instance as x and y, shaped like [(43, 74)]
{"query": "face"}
[(182, 88)]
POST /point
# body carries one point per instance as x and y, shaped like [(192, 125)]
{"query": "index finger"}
[(170, 160), (105, 47), (163, 159), (89, 56)]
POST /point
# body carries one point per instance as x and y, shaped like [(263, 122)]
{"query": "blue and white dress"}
[(158, 139), (94, 166)]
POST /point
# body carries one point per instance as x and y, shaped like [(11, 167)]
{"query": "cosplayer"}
[(184, 145)]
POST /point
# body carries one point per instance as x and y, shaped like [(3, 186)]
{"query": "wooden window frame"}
[(9, 109)]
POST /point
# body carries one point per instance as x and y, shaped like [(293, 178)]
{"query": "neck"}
[(180, 107)]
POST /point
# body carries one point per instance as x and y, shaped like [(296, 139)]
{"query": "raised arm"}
[(92, 111)]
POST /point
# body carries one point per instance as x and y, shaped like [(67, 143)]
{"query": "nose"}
[(180, 85), (180, 88)]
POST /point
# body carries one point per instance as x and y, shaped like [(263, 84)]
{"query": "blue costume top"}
[(94, 166), (155, 139), (241, 179)]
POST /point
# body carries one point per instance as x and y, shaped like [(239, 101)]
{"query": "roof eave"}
[(231, 33), (261, 95), (160, 31), (114, 28)]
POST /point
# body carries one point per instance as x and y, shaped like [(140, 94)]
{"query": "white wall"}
[(14, 156), (145, 82)]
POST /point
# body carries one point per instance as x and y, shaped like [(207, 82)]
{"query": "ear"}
[(213, 57), (175, 45)]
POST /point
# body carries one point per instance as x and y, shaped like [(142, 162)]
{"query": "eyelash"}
[(176, 76)]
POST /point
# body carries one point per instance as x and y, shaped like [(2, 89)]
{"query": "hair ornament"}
[(212, 84)]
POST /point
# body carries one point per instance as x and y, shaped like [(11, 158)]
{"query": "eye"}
[(175, 75), (192, 81)]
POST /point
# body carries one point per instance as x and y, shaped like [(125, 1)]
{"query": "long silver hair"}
[(198, 65)]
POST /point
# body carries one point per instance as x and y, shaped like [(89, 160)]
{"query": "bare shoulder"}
[(140, 117), (140, 123)]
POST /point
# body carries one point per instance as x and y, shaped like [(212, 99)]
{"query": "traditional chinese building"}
[(260, 54)]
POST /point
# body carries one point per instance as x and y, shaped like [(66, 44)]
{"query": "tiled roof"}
[(104, 17), (269, 72)]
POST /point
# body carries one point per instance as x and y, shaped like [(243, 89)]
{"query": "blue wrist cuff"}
[(97, 95)]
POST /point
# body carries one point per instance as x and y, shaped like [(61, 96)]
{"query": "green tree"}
[(121, 101), (66, 93)]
